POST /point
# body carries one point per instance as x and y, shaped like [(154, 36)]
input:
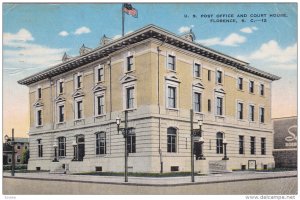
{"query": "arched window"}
[(219, 145), (172, 139), (100, 143)]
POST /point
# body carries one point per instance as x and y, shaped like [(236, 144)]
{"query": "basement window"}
[(174, 168), (99, 169)]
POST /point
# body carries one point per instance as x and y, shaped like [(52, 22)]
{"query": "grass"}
[(172, 174), (269, 170), (27, 171)]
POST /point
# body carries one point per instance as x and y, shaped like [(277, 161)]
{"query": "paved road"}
[(14, 186), (148, 181), (246, 182)]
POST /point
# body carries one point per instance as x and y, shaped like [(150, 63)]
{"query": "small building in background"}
[(285, 142), (21, 144)]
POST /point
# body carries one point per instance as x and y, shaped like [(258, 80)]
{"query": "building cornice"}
[(150, 31)]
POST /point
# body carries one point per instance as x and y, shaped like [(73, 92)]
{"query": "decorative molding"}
[(172, 77), (127, 78), (99, 87), (78, 93), (60, 98), (219, 89), (38, 103), (198, 84)]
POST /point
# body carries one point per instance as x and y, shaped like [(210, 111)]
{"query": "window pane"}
[(171, 62), (172, 139)]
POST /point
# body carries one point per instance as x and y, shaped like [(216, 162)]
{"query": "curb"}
[(152, 185)]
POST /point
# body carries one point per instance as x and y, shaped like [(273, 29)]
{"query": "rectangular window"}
[(240, 110), (208, 75), (39, 93), (79, 81), (100, 103), (40, 148), (61, 112), (241, 144), (263, 146), (219, 76), (171, 97), (101, 143), (79, 109), (39, 117), (197, 70), (18, 158), (251, 113), (252, 145), (197, 102), (100, 73), (61, 87), (129, 63), (131, 139), (209, 105), (240, 83), (251, 86), (219, 106), (262, 89), (61, 146), (171, 62), (130, 97), (261, 115)]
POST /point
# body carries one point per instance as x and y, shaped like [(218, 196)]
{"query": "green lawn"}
[(174, 174)]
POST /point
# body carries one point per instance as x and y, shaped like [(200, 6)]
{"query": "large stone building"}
[(158, 77)]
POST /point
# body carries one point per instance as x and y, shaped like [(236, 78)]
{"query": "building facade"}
[(157, 77), (285, 142), (21, 145)]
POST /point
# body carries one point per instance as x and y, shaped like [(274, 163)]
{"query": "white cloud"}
[(25, 57), (249, 29), (63, 33), (22, 36), (270, 54), (233, 39), (82, 30), (184, 29)]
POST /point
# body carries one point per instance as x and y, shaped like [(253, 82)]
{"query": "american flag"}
[(129, 10)]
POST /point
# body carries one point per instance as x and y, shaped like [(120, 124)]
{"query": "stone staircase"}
[(59, 168)]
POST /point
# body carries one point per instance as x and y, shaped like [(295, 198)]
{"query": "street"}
[(214, 184)]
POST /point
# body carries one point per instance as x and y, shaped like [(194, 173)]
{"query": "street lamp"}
[(225, 153), (196, 133), (55, 152), (12, 145), (125, 134), (201, 140), (74, 144)]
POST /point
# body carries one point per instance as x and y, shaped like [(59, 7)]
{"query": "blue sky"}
[(35, 36)]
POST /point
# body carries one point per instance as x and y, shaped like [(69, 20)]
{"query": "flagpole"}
[(123, 19)]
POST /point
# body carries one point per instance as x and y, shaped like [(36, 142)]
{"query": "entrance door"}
[(80, 147)]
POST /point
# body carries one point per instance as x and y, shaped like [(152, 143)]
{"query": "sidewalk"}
[(156, 181)]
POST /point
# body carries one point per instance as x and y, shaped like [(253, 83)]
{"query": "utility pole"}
[(13, 152), (126, 150), (192, 147)]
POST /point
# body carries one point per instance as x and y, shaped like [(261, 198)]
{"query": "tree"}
[(25, 156)]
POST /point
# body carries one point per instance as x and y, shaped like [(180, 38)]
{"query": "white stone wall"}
[(146, 158)]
